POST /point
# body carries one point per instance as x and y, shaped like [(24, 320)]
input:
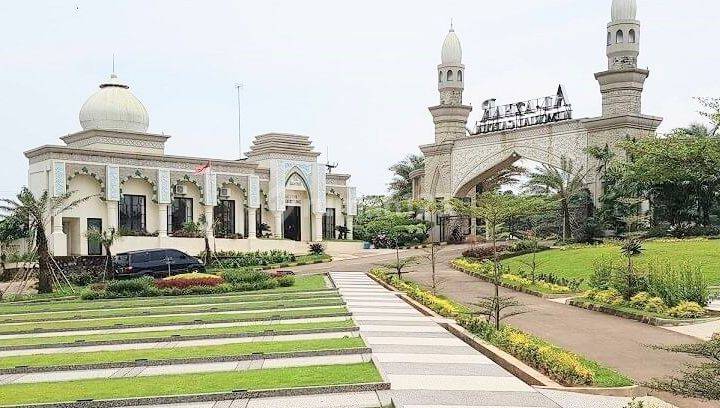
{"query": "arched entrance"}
[(298, 209)]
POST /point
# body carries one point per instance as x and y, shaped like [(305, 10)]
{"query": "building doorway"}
[(291, 223), (94, 246)]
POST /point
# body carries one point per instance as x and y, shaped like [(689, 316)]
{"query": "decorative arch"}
[(632, 37), (449, 75), (334, 193), (138, 174), (498, 161), (233, 182), (460, 75), (187, 179), (619, 37), (84, 171)]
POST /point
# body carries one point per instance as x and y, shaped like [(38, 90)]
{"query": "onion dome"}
[(451, 50), (114, 107), (624, 10)]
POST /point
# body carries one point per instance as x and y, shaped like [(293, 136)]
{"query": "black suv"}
[(156, 262)]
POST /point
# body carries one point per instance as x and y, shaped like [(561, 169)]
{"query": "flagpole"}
[(238, 87)]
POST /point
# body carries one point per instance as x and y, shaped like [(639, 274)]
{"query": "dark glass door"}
[(94, 247), (328, 221), (291, 223)]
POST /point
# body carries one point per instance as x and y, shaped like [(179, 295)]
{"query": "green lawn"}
[(164, 320), (302, 285), (176, 334), (275, 378), (577, 262), (149, 311), (177, 353)]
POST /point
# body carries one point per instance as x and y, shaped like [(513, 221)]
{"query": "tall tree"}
[(401, 185), (506, 177), (38, 211), (495, 209), (562, 183)]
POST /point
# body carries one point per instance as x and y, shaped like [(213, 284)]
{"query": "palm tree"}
[(505, 177), (563, 183), (38, 212), (401, 185), (106, 238)]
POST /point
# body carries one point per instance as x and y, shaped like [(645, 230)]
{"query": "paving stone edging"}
[(221, 396), (182, 338), (153, 363), (516, 288), (510, 363), (651, 320), (196, 322)]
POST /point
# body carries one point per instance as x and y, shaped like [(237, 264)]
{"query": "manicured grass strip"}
[(604, 376), (179, 353), (176, 334), (162, 320), (251, 380), (302, 284), (577, 262), (220, 307)]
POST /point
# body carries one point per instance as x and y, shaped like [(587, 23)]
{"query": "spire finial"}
[(113, 63), (452, 28)]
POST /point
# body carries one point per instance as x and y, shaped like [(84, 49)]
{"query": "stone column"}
[(252, 227), (349, 220), (59, 239), (317, 227), (112, 214), (209, 217), (277, 228), (163, 220)]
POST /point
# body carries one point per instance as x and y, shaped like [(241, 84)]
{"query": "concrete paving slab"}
[(386, 311), (432, 358), (485, 399), (476, 370), (383, 317), (416, 341), (402, 329), (702, 331), (395, 349), (457, 383)]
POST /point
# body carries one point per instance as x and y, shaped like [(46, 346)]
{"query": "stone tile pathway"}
[(428, 367), (369, 399)]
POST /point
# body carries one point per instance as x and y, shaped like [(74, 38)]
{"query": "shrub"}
[(484, 252), (686, 310), (655, 305), (628, 282), (242, 276), (236, 259), (602, 273), (131, 287), (317, 248), (609, 296), (640, 300), (525, 245), (90, 294), (285, 281), (675, 284), (591, 294), (474, 267)]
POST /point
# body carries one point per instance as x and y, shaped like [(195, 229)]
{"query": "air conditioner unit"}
[(180, 190), (224, 192)]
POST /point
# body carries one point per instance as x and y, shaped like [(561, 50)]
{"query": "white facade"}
[(154, 199)]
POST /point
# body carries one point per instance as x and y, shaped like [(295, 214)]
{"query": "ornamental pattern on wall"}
[(321, 204), (164, 189), (351, 201), (59, 181), (113, 183), (253, 191)]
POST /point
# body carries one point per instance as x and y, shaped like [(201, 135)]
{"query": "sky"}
[(357, 77)]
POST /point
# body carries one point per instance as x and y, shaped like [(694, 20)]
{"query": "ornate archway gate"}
[(542, 130)]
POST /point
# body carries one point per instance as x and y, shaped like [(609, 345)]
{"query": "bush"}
[(285, 281), (484, 252), (655, 305), (243, 276), (131, 287), (473, 267), (628, 282), (609, 296), (640, 300), (383, 227), (686, 310), (236, 259), (591, 294), (675, 284), (602, 273), (525, 245), (188, 280), (317, 248)]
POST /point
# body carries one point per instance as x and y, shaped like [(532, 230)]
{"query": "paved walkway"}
[(429, 367), (341, 400)]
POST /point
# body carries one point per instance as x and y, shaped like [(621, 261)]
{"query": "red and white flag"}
[(203, 168)]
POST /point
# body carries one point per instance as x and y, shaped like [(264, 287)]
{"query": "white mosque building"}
[(279, 192)]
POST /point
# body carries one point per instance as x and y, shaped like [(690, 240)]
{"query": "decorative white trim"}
[(59, 182), (210, 187), (253, 192), (164, 189), (320, 204), (351, 204), (112, 174)]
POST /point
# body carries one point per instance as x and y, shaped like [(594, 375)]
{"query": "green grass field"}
[(274, 378), (303, 284), (163, 320), (178, 353), (175, 334), (577, 262), (149, 311)]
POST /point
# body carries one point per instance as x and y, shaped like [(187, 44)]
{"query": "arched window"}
[(449, 75), (440, 76), (609, 40), (631, 36), (460, 76), (619, 37)]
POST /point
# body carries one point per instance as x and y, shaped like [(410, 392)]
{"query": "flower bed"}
[(231, 280), (561, 365), (484, 271)]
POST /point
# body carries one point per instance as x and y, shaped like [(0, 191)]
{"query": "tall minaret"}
[(622, 84), (451, 115)]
